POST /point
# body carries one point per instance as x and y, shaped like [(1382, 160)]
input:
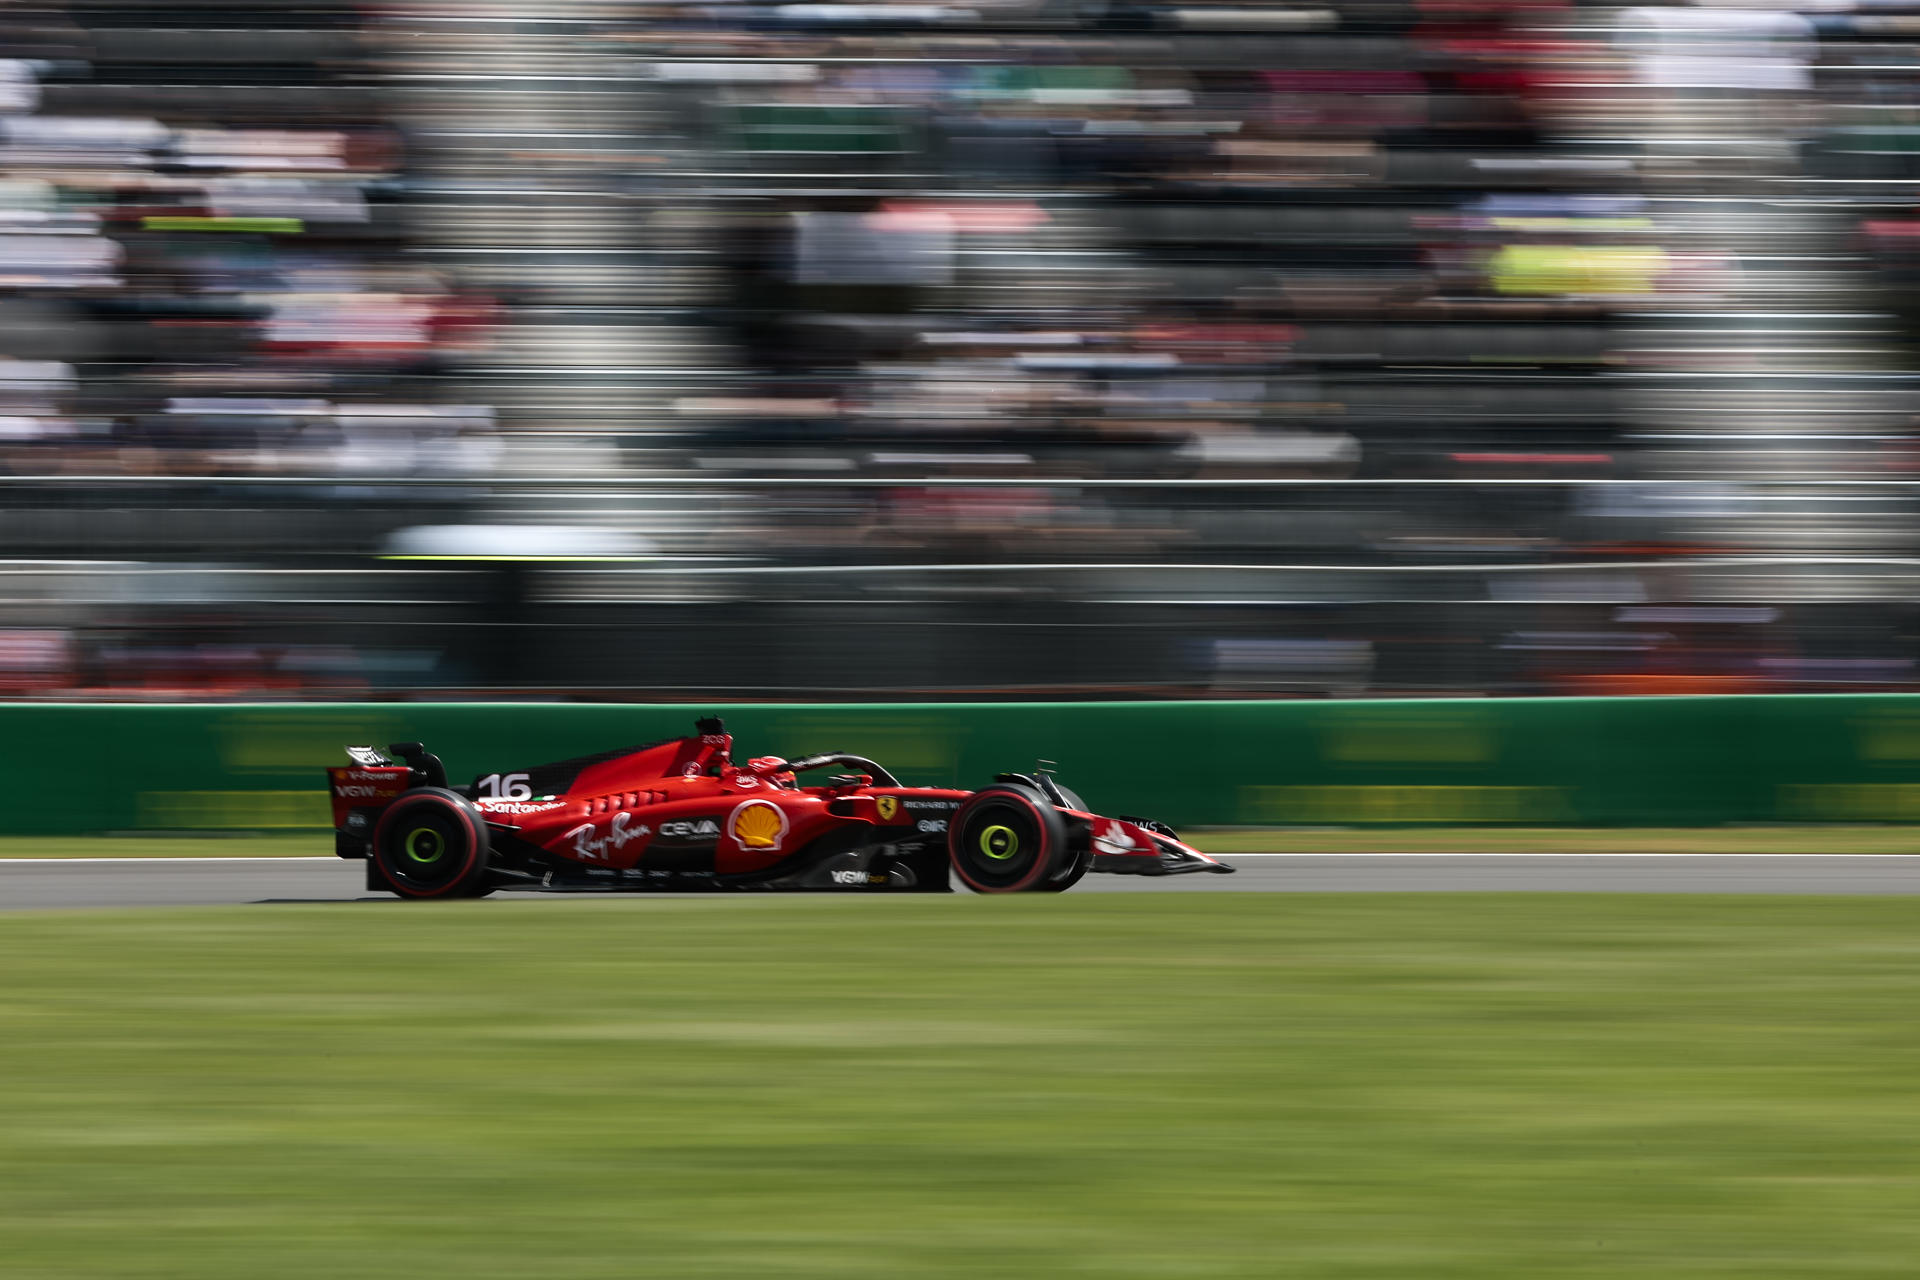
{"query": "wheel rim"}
[(1000, 845), (424, 845), (999, 842), (428, 849)]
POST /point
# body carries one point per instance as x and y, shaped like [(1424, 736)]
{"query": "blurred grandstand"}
[(980, 348)]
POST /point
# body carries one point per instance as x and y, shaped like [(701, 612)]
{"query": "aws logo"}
[(757, 824)]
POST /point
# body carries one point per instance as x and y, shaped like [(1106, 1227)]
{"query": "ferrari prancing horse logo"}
[(886, 807)]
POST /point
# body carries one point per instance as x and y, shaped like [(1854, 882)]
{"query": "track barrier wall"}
[(1680, 761)]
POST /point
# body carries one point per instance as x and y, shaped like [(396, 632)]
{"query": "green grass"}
[(1365, 1087), (310, 844), (1807, 839)]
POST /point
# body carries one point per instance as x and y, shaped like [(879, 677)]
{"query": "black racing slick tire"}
[(1007, 839), (431, 843), (1076, 872)]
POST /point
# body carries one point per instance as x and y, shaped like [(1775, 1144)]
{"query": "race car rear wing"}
[(373, 781), (414, 754)]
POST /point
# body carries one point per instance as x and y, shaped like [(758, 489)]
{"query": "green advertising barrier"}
[(1550, 761)]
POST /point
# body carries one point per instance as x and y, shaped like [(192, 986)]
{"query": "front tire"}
[(1008, 839), (1076, 872), (431, 843)]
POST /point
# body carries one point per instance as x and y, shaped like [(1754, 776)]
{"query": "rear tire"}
[(431, 843), (1007, 839)]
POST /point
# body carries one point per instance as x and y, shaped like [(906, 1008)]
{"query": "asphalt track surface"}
[(152, 882)]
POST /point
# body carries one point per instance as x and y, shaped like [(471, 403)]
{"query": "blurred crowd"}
[(1323, 348), (203, 266)]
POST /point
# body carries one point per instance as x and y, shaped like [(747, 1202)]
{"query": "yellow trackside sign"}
[(1335, 804)]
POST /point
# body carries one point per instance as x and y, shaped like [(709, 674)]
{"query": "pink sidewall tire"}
[(1008, 838), (431, 843)]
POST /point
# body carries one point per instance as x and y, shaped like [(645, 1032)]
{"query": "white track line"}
[(1511, 853), (54, 862), (45, 862)]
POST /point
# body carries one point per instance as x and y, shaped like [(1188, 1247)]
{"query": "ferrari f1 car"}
[(681, 814)]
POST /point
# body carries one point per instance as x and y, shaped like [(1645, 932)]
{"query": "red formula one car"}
[(681, 815)]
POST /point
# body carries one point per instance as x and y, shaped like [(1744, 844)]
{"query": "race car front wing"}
[(1140, 847)]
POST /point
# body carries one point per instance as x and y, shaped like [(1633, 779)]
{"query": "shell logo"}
[(758, 824)]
